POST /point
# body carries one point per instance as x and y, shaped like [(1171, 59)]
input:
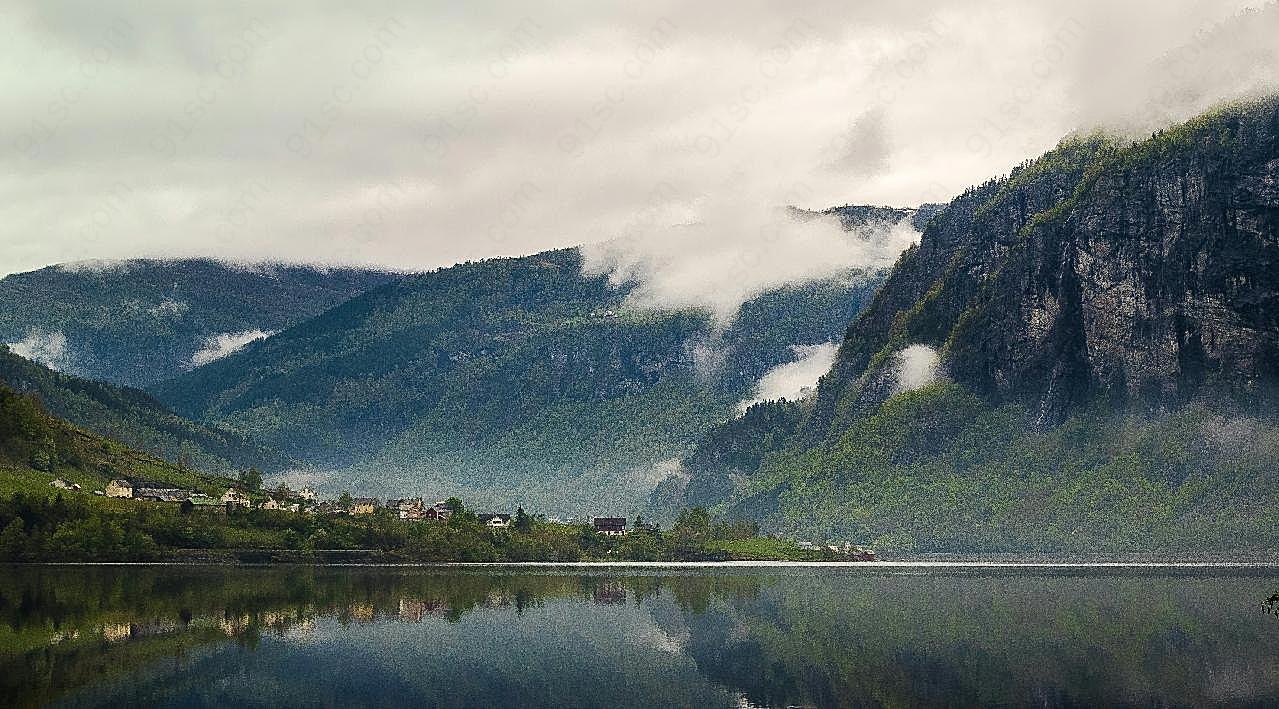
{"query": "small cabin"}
[(438, 512), (609, 526), (364, 506)]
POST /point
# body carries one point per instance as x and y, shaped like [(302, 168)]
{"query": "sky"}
[(667, 134)]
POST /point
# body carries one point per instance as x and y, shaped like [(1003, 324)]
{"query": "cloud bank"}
[(794, 380), (420, 134), (720, 253)]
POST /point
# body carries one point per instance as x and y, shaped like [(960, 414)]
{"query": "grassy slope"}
[(36, 448)]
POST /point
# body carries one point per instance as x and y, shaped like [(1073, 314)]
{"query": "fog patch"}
[(94, 266), (794, 380), (48, 347), (724, 252), (650, 476), (226, 344), (865, 147), (916, 366)]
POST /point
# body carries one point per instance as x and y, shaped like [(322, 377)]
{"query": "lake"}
[(696, 636)]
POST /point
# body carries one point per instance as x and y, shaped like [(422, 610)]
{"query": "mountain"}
[(138, 322), (133, 418), (510, 381), (36, 446), (1082, 356)]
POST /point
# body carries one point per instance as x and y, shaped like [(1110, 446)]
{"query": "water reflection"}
[(88, 636)]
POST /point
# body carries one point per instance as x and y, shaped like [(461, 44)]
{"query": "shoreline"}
[(868, 565)]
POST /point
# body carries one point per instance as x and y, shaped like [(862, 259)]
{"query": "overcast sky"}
[(419, 134)]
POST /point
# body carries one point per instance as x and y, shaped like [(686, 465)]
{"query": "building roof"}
[(156, 486)]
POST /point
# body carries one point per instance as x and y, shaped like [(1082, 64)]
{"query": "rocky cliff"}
[(1144, 274)]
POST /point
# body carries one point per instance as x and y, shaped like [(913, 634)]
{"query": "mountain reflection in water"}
[(449, 637)]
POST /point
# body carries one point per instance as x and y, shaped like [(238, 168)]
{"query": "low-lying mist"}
[(723, 252)]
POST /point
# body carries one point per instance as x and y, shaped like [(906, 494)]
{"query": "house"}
[(409, 508), (294, 507), (62, 484), (438, 512), (364, 506), (609, 526), (119, 488), (307, 494), (269, 504), (160, 492), (234, 498), (495, 521)]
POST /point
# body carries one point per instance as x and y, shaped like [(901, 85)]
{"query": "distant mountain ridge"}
[(141, 321)]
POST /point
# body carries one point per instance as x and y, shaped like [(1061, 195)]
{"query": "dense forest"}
[(141, 321), (510, 381)]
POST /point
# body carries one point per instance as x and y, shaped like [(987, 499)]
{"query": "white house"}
[(119, 488), (235, 497)]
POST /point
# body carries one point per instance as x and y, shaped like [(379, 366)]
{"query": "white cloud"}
[(730, 250), (515, 127), (794, 380), (916, 366), (227, 344), (48, 347)]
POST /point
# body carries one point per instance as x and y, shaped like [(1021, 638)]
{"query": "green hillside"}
[(135, 419), (36, 447), (508, 381)]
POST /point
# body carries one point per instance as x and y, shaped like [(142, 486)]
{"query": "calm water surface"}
[(867, 635)]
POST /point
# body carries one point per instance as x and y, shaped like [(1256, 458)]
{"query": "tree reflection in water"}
[(310, 636)]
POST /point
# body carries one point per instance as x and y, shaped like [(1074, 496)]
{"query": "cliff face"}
[(1141, 274)]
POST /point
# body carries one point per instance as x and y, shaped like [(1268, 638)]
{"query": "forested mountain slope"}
[(141, 321), (134, 418), (1101, 334), (36, 446), (510, 380)]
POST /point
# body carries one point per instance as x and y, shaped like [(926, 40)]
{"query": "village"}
[(306, 501)]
